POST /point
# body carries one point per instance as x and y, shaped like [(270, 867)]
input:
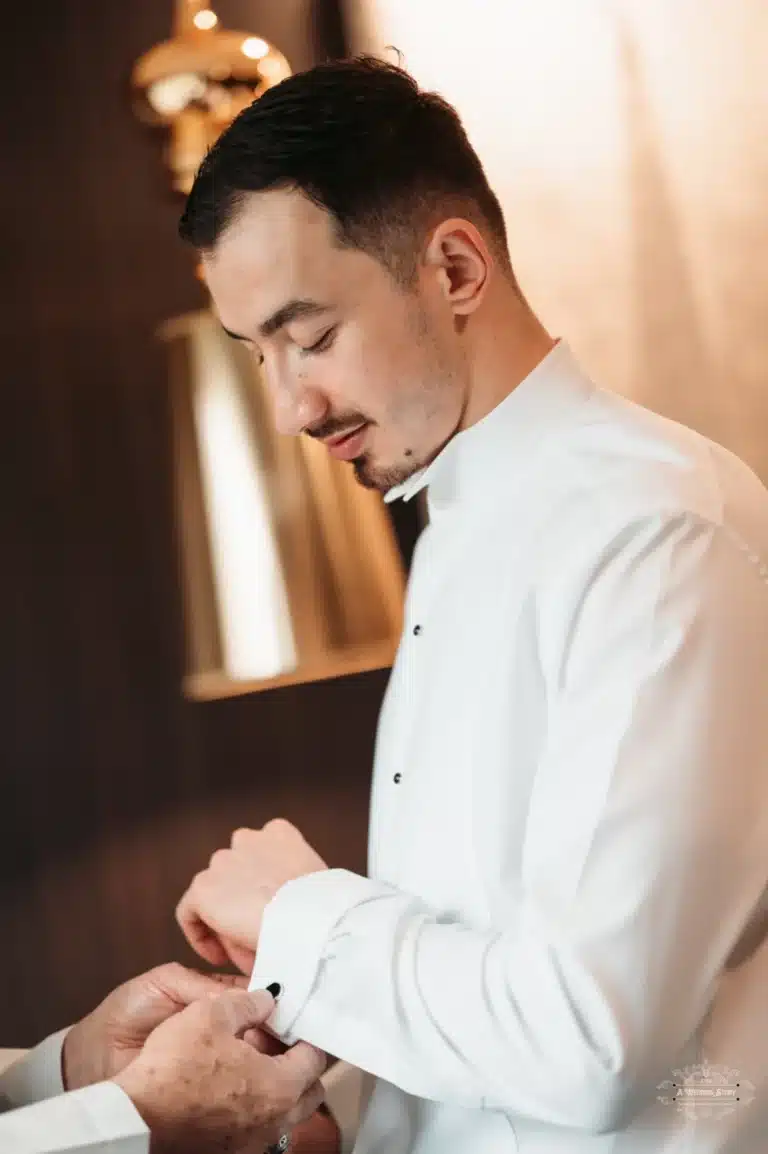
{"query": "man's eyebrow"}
[(294, 310)]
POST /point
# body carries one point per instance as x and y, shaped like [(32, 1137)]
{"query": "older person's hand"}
[(202, 1089), (220, 914), (104, 1042)]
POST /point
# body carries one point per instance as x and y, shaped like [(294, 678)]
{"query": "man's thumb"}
[(239, 1010)]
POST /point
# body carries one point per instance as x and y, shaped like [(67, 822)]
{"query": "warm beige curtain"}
[(628, 141)]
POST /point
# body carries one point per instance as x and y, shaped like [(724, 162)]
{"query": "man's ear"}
[(463, 262)]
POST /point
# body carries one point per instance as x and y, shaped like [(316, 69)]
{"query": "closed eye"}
[(320, 346), (256, 352)]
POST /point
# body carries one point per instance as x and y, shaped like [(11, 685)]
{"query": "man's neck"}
[(510, 345)]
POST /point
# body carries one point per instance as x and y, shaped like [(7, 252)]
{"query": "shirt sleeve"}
[(36, 1075), (99, 1119), (645, 858), (43, 1118)]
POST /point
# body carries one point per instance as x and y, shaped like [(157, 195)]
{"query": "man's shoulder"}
[(622, 462)]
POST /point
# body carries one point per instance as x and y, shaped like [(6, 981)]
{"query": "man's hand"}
[(221, 912), (318, 1135), (202, 1089), (102, 1044)]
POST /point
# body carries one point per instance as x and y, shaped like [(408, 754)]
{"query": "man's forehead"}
[(279, 225), (281, 247)]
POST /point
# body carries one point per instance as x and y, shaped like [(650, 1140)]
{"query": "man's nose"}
[(298, 408)]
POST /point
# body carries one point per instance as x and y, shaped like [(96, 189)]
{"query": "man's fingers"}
[(205, 943), (244, 838), (258, 1039), (280, 827), (220, 983), (233, 981), (184, 985), (306, 1106), (302, 1065), (239, 956), (201, 938), (239, 1010)]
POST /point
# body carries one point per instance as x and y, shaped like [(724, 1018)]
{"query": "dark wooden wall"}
[(114, 791)]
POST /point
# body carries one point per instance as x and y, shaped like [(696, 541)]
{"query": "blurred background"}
[(628, 140)]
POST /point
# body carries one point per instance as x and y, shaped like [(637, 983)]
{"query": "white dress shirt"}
[(45, 1120), (569, 823)]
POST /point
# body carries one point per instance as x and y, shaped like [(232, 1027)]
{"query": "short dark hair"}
[(360, 139)]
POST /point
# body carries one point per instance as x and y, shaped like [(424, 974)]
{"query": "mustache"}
[(337, 427)]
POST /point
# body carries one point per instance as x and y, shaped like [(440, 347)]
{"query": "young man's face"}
[(355, 352)]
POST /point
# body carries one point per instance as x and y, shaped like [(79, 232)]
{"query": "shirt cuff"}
[(110, 1111), (295, 929), (37, 1075)]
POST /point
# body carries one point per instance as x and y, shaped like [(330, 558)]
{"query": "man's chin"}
[(381, 479), (368, 477)]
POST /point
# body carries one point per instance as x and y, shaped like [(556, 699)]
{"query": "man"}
[(162, 1066), (566, 905)]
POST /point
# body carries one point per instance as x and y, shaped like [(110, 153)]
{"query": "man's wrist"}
[(134, 1087), (77, 1058)]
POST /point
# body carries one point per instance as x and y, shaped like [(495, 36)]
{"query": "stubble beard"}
[(443, 379), (382, 479)]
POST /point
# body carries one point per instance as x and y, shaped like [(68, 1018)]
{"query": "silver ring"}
[(280, 1146)]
